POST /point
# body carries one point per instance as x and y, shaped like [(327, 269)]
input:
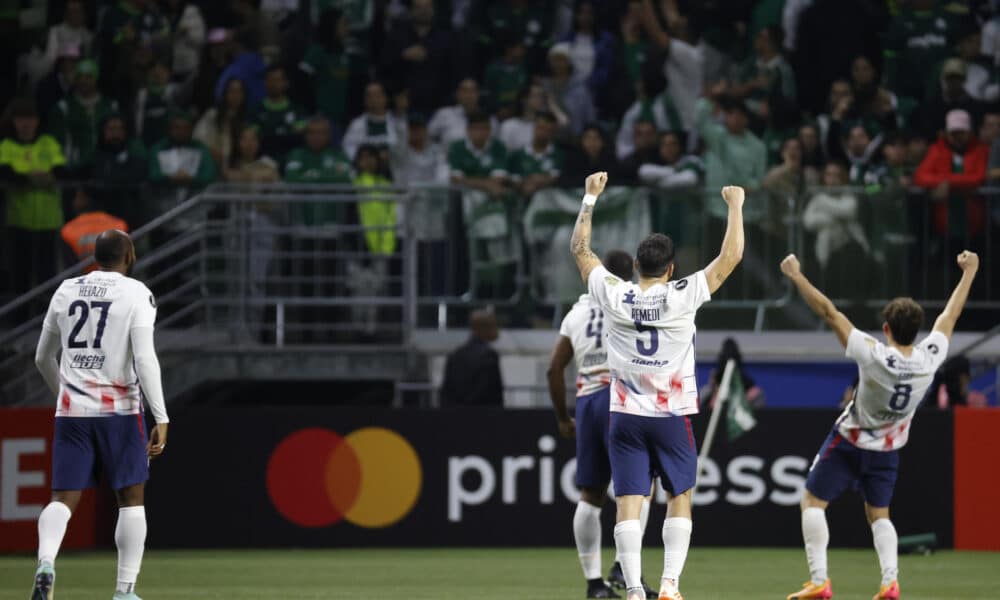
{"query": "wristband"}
[(589, 200)]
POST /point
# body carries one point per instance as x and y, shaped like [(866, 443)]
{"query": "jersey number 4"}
[(901, 398), (83, 309), (595, 326)]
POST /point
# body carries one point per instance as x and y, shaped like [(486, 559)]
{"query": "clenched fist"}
[(733, 195), (596, 182), (968, 261), (790, 266)]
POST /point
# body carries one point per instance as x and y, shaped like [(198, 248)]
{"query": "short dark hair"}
[(276, 67), (111, 248), (904, 317), (23, 108), (546, 116), (655, 255), (619, 263), (478, 117)]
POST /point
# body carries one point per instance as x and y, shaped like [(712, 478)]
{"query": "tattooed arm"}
[(579, 245)]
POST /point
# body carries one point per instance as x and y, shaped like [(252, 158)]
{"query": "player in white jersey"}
[(103, 324), (650, 334), (862, 449), (581, 338)]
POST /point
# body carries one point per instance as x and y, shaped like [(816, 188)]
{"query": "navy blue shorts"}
[(593, 468), (644, 447), (840, 464), (84, 446)]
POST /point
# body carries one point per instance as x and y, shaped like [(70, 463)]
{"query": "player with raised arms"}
[(581, 338), (863, 448), (650, 331), (103, 323)]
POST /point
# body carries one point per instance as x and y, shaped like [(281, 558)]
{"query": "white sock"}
[(587, 533), (51, 529), (643, 521), (628, 540), (130, 537), (886, 545), (676, 541), (816, 536)]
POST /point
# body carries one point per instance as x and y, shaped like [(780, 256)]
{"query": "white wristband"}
[(589, 200)]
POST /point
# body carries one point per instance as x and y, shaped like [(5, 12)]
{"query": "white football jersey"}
[(93, 316), (650, 337), (890, 388), (584, 326)]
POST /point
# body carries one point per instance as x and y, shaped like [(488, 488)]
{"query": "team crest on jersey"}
[(612, 281), (933, 348), (680, 285)]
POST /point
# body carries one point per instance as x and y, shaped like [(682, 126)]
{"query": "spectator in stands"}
[(733, 153), (328, 67), (787, 179), (278, 120), (417, 56), (479, 161), (73, 120), (516, 132), (215, 58), (950, 387), (955, 166), (188, 33), (980, 77), (673, 169), (539, 165), (632, 50), (990, 46), (505, 77), (948, 96), (839, 101), (591, 154), (57, 84), (180, 161), (217, 127), (645, 150), (420, 161), (317, 162), (377, 126), (472, 371), (570, 94), (247, 66), (119, 168), (377, 212), (449, 123), (155, 102), (681, 59), (916, 149), (71, 33), (128, 29), (592, 50), (248, 164), (851, 142), (919, 37), (892, 172), (832, 215), (650, 105), (525, 20), (80, 233), (813, 157), (989, 127), (764, 75), (877, 108), (31, 164)]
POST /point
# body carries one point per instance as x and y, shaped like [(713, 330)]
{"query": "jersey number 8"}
[(901, 398)]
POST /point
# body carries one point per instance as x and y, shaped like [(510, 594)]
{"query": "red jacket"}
[(936, 168)]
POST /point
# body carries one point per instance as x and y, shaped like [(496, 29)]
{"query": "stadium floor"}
[(488, 574)]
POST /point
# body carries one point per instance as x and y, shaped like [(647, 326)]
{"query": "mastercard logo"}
[(370, 477)]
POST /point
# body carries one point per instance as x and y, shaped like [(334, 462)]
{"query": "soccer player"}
[(650, 340), (863, 447), (103, 323), (581, 337)]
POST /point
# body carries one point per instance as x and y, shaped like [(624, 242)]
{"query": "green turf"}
[(488, 574)]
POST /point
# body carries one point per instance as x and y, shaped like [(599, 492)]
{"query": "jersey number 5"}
[(654, 340), (81, 307), (901, 398)]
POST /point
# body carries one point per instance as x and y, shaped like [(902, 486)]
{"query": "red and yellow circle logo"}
[(370, 477)]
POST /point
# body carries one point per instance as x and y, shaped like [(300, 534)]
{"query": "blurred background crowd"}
[(505, 97)]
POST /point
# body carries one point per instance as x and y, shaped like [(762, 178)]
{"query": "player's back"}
[(650, 339), (890, 388), (584, 326), (93, 316)]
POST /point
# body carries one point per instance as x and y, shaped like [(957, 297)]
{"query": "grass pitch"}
[(489, 574)]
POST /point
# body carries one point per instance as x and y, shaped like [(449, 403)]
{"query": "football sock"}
[(676, 541), (587, 533), (644, 516), (130, 537), (816, 536), (886, 545), (51, 529), (628, 540)]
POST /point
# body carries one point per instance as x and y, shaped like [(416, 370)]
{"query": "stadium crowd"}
[(507, 97)]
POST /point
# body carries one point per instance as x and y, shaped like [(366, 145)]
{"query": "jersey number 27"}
[(81, 307)]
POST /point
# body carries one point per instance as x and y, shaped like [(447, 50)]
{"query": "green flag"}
[(739, 414)]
